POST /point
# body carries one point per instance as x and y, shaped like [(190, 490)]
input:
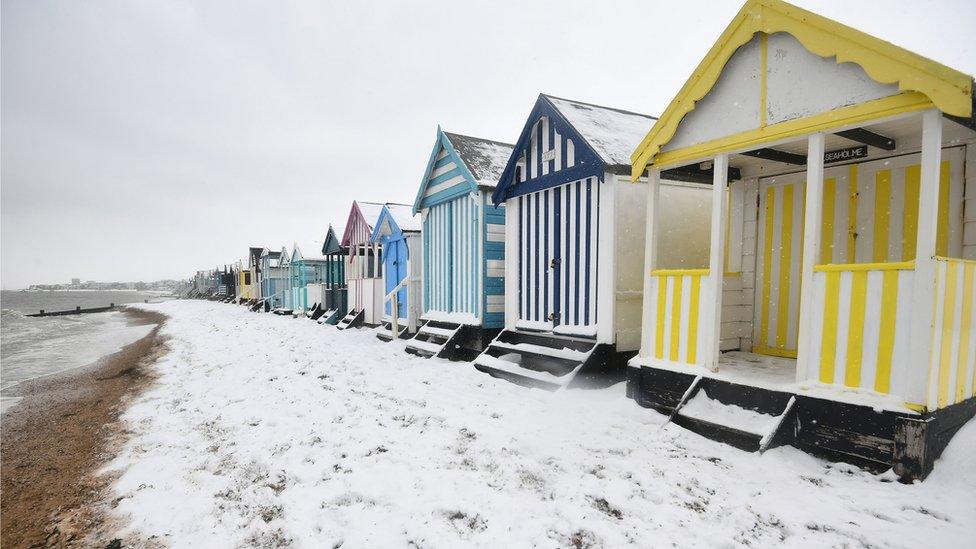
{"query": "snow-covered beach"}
[(271, 431)]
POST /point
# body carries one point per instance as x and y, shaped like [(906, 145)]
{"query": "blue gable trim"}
[(442, 142), (395, 232), (445, 195), (587, 162)]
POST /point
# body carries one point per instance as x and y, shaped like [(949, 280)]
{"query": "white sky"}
[(145, 140)]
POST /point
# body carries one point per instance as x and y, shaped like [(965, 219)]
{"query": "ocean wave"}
[(10, 314)]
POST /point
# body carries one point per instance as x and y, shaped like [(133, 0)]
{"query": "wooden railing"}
[(952, 369), (861, 322), (676, 296)]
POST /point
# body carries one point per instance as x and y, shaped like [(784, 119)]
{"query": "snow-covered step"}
[(425, 347), (384, 331), (509, 369), (535, 360), (432, 338), (444, 333), (325, 316), (741, 427), (352, 320), (703, 408), (565, 352)]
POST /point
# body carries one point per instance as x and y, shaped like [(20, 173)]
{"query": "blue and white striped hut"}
[(397, 230), (464, 249), (574, 246)]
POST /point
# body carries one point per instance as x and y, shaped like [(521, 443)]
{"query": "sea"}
[(32, 347)]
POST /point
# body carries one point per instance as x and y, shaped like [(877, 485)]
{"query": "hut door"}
[(539, 260), (396, 271), (558, 258), (781, 207)]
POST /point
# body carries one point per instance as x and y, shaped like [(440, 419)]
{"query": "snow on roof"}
[(613, 133), (371, 211), (404, 217), (310, 250), (485, 159)]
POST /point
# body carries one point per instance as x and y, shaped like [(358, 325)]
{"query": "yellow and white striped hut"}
[(846, 323)]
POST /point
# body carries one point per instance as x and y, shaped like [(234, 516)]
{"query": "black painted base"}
[(873, 439)]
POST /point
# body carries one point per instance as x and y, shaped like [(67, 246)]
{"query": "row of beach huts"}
[(787, 255)]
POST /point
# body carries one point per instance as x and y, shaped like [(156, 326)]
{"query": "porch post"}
[(650, 255), (811, 249), (923, 297), (716, 265)]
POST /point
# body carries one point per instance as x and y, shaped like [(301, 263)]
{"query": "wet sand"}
[(54, 440)]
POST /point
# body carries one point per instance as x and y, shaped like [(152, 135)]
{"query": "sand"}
[(53, 442)]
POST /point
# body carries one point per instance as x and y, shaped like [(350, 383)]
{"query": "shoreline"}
[(59, 434)]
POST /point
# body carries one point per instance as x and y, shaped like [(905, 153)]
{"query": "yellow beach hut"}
[(844, 320)]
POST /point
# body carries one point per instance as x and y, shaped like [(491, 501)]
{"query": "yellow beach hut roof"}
[(949, 90)]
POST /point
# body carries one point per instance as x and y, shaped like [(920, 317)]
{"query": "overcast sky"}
[(145, 140)]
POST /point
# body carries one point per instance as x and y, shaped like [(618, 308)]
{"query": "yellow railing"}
[(953, 363), (864, 312), (676, 334)]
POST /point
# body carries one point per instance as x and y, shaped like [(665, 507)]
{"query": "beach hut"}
[(574, 249), (397, 231), (463, 273), (364, 267), (847, 324), (254, 268), (307, 272), (273, 277), (335, 278), (287, 294)]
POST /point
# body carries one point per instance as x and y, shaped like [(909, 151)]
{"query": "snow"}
[(485, 159), (503, 364), (565, 352), (371, 212), (425, 346), (613, 134), (706, 409), (778, 374), (442, 332), (404, 217), (569, 329), (264, 430), (467, 319)]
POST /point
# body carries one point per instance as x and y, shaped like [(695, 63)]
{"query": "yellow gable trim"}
[(949, 90), (854, 114)]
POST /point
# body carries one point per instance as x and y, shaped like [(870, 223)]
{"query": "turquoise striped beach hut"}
[(463, 247)]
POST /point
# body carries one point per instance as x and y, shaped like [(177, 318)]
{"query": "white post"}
[(512, 266), (650, 257), (923, 298), (394, 314), (811, 249), (716, 264)]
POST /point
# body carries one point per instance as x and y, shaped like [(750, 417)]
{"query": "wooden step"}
[(352, 320), (743, 428), (545, 340), (537, 360), (431, 339), (510, 371), (443, 333), (424, 348)]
